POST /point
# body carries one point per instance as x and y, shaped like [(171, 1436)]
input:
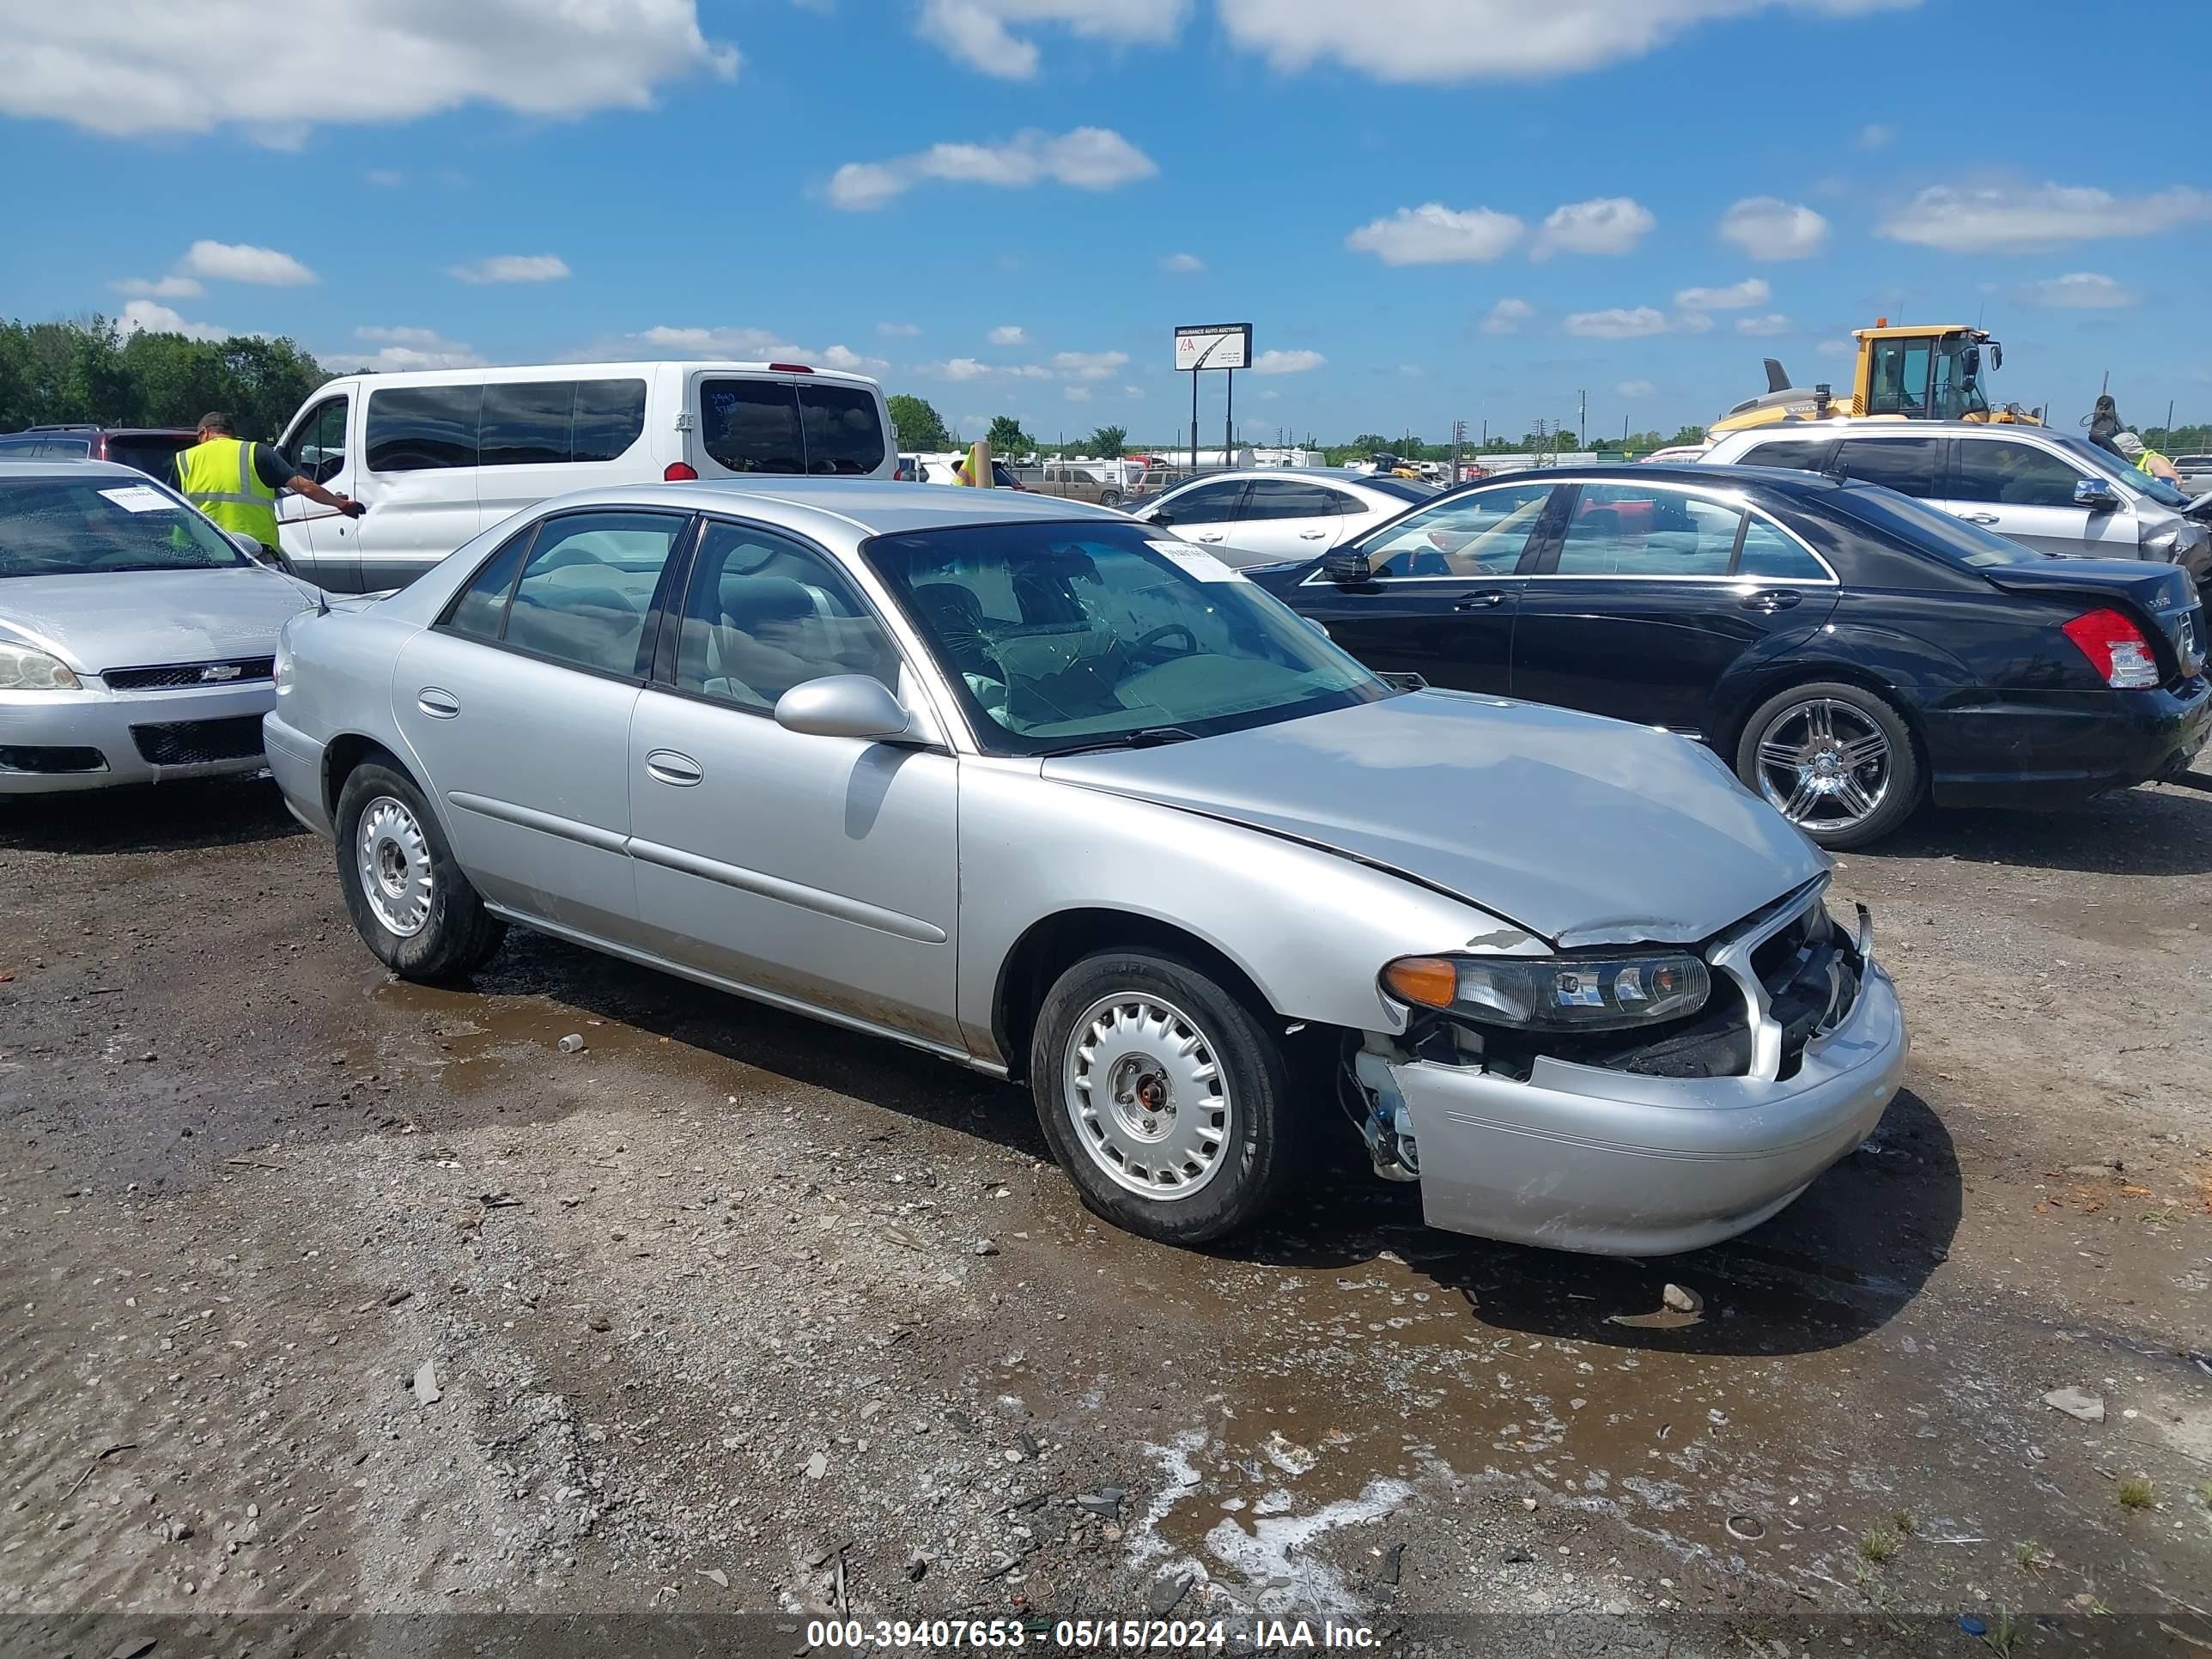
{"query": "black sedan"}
[(1849, 651)]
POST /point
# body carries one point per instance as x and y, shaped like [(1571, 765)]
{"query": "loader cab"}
[(1924, 374)]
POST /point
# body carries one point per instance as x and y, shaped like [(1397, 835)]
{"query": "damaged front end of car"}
[(1632, 1100)]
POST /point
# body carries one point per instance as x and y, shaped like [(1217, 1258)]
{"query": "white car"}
[(1267, 515)]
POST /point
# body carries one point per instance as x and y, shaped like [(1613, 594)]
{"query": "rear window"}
[(768, 426), (1928, 530), (44, 449), (421, 428), (153, 455)]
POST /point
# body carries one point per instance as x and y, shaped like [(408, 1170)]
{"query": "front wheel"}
[(1836, 760), (408, 900), (1163, 1096)]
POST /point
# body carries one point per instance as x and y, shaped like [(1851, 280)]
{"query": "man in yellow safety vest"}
[(235, 484)]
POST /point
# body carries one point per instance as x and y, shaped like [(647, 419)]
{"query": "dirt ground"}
[(328, 1295)]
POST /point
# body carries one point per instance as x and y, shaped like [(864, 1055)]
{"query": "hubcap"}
[(1146, 1095), (1825, 764), (394, 863)]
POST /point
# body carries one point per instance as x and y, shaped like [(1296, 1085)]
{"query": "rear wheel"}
[(408, 900), (1837, 761), (1164, 1097)]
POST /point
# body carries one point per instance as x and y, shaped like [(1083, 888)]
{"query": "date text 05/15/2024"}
[(1088, 1635)]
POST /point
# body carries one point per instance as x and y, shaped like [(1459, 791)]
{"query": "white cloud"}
[(1434, 234), (1411, 370), (1764, 327), (242, 262), (1076, 394), (2018, 217), (1737, 296), (1286, 362), (515, 268), (1507, 316), (402, 348), (1133, 391), (1090, 365), (162, 288), (844, 357), (160, 320), (975, 31), (1617, 323), (1633, 389), (740, 344), (1836, 349), (968, 368), (386, 177), (1606, 224), (2081, 291), (1008, 334), (898, 331), (961, 368), (1767, 227), (1183, 265), (1441, 41), (137, 66), (1088, 158), (1875, 135)]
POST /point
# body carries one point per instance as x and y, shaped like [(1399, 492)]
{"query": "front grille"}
[(187, 742), (50, 758), (171, 676)]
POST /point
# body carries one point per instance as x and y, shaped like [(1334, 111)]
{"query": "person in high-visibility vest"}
[(236, 483), (2145, 460)]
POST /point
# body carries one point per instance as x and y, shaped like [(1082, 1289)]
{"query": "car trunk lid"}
[(2158, 597)]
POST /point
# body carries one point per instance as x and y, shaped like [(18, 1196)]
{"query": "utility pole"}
[(1459, 441), (1582, 422)]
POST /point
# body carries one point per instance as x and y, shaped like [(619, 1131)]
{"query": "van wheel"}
[(408, 899), (1835, 760), (1164, 1099)]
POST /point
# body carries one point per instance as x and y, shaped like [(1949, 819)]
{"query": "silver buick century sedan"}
[(1051, 794)]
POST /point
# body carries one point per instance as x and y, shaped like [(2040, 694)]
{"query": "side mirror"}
[(1155, 515), (1318, 627), (246, 544), (1346, 566), (1970, 362), (843, 706), (2095, 495)]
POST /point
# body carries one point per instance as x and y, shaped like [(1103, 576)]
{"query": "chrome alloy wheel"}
[(1823, 764), (1146, 1095), (393, 860)]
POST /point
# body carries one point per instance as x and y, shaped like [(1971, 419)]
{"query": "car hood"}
[(131, 619), (1582, 830)]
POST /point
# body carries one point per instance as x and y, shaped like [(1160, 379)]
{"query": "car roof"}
[(871, 507), (1326, 474), (1865, 425), (644, 370), (1696, 474), (65, 467)]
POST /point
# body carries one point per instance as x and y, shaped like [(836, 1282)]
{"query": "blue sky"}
[(1439, 208)]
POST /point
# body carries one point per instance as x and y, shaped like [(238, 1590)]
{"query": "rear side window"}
[(481, 611), (1795, 453), (610, 417), (1768, 552), (584, 595), (1290, 498), (555, 423), (1905, 464), (844, 434), (1632, 530), (421, 428)]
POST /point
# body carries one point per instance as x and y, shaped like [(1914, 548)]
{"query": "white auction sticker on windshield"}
[(1197, 561), (140, 498)]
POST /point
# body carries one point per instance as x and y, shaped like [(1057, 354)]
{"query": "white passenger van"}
[(438, 455)]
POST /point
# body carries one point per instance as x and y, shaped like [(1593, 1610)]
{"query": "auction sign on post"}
[(1202, 346)]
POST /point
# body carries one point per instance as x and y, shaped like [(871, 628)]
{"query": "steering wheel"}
[(1152, 640)]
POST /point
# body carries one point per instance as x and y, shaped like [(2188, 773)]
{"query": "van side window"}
[(555, 423), (844, 434), (610, 418), (751, 426), (417, 428)]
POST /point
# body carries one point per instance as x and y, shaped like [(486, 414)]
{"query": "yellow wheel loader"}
[(1930, 372)]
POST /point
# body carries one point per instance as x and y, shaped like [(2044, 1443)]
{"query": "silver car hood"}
[(1582, 830), (129, 618)]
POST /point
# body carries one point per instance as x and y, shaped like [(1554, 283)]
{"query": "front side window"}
[(319, 441), (1483, 533), (1908, 465), (751, 426), (1636, 530), (2015, 474), (843, 431), (765, 613), (583, 597), (421, 428), (1205, 503), (73, 527), (1072, 635)]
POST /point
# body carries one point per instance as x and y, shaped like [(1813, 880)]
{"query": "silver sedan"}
[(137, 641), (1055, 796)]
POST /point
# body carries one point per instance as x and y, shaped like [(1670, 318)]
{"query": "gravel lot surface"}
[(329, 1293)]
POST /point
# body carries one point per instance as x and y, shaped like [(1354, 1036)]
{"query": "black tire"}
[(1260, 1159), (458, 935), (1110, 498), (1903, 783)]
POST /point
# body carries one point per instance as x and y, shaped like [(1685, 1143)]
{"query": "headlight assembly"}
[(24, 668), (1554, 993)]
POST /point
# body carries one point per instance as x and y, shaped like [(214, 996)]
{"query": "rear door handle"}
[(669, 766), (1211, 536), (437, 704), (1312, 535), (1770, 599), (1481, 601), (1981, 517)]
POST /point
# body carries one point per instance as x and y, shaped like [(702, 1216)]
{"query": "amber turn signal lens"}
[(1431, 981)]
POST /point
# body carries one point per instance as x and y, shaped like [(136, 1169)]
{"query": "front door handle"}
[(1770, 599), (1481, 601), (437, 704), (669, 766), (1981, 517), (1211, 536), (1313, 535)]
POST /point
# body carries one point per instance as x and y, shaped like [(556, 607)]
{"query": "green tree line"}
[(92, 371)]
